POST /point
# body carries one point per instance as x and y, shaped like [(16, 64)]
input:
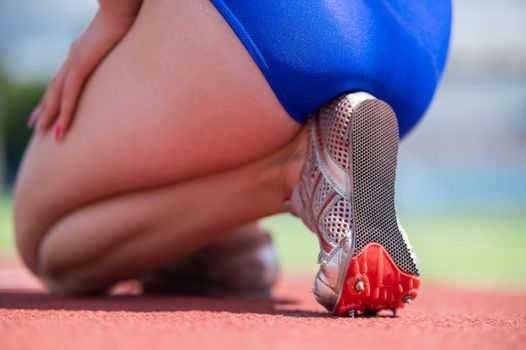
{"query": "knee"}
[(27, 229), (60, 279), (35, 227), (59, 273)]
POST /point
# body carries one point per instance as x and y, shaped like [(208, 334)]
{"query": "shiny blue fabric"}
[(311, 51)]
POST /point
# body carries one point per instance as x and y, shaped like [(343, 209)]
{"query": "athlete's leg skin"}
[(130, 234), (177, 138)]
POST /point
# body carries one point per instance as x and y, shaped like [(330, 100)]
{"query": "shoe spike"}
[(359, 286)]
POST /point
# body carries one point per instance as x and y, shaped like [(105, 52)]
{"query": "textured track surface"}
[(440, 318)]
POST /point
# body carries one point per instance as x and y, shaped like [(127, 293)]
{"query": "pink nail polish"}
[(57, 133)]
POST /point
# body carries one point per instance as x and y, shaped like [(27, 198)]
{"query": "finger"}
[(33, 117), (49, 110), (72, 88), (51, 103), (37, 112)]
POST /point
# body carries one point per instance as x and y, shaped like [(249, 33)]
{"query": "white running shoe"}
[(346, 196)]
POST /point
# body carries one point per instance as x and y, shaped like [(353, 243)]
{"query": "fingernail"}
[(37, 125), (32, 118), (58, 132)]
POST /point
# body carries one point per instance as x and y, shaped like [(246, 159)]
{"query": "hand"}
[(109, 26)]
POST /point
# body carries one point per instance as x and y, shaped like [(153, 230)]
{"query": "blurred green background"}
[(461, 185)]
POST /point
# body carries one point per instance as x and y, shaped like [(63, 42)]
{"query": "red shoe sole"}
[(373, 282)]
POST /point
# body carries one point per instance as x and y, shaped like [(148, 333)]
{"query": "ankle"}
[(288, 162)]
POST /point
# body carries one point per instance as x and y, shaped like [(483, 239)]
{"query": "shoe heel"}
[(374, 149)]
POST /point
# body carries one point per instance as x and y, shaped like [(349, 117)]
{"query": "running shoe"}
[(238, 264), (346, 197)]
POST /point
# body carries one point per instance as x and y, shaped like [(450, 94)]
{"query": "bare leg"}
[(167, 130), (131, 234)]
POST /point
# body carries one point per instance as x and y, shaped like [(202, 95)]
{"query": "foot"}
[(242, 262), (346, 196)]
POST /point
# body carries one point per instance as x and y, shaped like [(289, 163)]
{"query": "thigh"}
[(179, 97)]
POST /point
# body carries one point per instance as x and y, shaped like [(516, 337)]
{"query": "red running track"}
[(439, 318)]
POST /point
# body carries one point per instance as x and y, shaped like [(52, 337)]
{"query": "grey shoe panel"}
[(374, 155)]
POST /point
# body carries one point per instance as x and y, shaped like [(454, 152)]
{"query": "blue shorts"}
[(311, 51)]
